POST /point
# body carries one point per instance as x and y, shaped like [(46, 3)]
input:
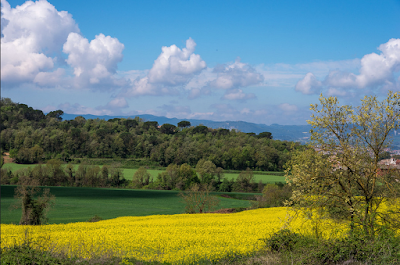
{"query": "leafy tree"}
[(267, 135), (187, 176), (184, 124), (129, 123), (150, 124), (245, 181), (200, 129), (207, 171), (33, 209), (339, 175), (55, 114), (168, 128), (141, 178), (198, 199)]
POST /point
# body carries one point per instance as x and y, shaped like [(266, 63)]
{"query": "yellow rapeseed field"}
[(181, 238)]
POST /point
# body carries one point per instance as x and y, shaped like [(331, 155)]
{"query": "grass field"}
[(80, 204), (128, 173)]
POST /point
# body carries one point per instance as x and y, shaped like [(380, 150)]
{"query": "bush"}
[(95, 218), (353, 249), (274, 196), (283, 240)]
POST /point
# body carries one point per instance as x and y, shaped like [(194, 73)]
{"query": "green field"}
[(80, 204), (128, 173)]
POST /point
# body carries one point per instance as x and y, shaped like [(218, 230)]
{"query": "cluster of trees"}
[(175, 177), (54, 174), (184, 177), (30, 136)]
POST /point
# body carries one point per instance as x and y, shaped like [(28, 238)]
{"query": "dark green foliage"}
[(300, 249), (200, 129), (53, 174), (33, 203), (57, 114), (284, 240), (140, 178), (267, 135), (150, 124), (184, 124), (167, 128), (274, 195), (36, 140), (95, 218)]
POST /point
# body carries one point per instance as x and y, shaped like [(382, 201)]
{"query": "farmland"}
[(174, 239), (128, 173), (80, 204)]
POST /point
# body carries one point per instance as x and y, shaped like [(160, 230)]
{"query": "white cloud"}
[(52, 79), (117, 103), (309, 84), (336, 92), (229, 77), (30, 33), (95, 61), (235, 75), (288, 107), (173, 67), (237, 94), (375, 71)]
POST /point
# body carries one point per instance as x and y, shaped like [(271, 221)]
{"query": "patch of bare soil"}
[(7, 158)]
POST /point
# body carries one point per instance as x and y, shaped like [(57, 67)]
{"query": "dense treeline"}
[(31, 137), (55, 173)]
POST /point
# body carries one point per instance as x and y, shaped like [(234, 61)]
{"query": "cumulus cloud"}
[(93, 61), (309, 84), (235, 75), (49, 78), (375, 71), (35, 34), (30, 33), (173, 67)]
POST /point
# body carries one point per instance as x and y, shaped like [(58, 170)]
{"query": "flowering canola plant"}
[(181, 238)]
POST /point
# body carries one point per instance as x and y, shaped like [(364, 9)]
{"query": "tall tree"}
[(184, 124), (339, 174)]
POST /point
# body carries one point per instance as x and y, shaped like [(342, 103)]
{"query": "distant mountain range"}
[(279, 132)]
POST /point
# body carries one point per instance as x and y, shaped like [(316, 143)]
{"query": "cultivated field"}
[(182, 238), (128, 173), (80, 204)]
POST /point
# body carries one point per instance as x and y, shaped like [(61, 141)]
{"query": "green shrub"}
[(283, 240), (384, 248), (95, 218)]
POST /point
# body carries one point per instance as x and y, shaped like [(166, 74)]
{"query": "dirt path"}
[(7, 158)]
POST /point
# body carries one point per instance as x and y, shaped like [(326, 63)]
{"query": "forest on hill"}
[(30, 136)]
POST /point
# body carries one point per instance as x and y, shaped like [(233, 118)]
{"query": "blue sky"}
[(256, 61)]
